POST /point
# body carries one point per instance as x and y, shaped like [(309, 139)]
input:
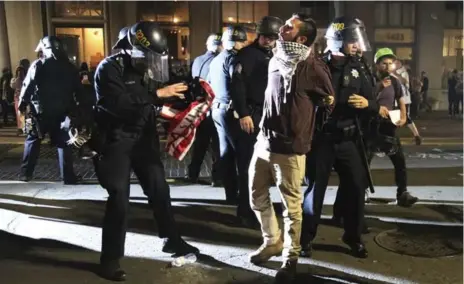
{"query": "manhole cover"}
[(421, 244)]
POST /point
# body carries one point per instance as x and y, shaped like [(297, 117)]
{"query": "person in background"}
[(16, 84), (453, 109), (5, 93), (424, 91), (416, 96), (459, 94), (401, 73)]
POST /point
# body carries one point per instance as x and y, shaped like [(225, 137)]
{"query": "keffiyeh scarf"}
[(184, 123), (288, 54)]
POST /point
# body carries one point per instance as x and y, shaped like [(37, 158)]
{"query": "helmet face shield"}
[(155, 65), (357, 35)]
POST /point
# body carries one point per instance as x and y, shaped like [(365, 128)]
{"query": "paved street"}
[(51, 235)]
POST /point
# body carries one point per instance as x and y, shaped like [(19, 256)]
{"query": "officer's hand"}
[(246, 123), (174, 90), (383, 112), (358, 101), (329, 100)]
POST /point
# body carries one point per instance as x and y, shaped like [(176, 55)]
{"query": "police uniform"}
[(51, 89), (126, 123), (248, 87), (337, 143), (221, 73), (206, 133)]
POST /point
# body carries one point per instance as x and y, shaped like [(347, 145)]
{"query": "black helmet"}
[(148, 36), (149, 50), (49, 42), (122, 42), (269, 26), (347, 30), (214, 39), (235, 33)]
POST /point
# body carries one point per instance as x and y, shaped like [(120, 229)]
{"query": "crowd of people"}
[(280, 115)]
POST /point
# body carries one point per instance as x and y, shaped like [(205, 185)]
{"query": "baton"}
[(364, 155)]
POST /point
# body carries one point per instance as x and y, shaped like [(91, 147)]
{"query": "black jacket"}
[(53, 86), (249, 80)]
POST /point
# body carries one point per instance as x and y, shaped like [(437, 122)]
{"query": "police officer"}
[(126, 125), (221, 72), (206, 133), (249, 83), (337, 144), (122, 42), (50, 91)]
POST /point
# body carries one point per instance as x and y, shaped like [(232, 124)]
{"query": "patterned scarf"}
[(288, 54)]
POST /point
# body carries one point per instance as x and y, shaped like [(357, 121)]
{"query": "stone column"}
[(4, 48)]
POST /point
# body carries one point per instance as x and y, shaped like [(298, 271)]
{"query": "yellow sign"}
[(142, 38), (338, 26), (394, 35)]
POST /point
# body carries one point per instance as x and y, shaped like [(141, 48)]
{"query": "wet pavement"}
[(51, 235)]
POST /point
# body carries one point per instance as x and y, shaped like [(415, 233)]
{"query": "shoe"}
[(216, 183), (190, 179), (418, 140), (287, 273), (178, 247), (265, 252), (73, 181), (358, 249), (112, 273), (306, 249), (405, 199), (25, 178)]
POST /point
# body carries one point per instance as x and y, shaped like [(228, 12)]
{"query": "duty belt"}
[(340, 134), (224, 106)]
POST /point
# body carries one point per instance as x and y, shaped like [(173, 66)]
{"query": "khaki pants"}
[(287, 171)]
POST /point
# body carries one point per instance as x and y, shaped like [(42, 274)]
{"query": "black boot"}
[(405, 199), (287, 273), (358, 249), (112, 271), (178, 246)]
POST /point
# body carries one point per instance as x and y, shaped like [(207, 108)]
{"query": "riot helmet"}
[(50, 46), (233, 34), (214, 42), (149, 50), (123, 42), (346, 30), (269, 27)]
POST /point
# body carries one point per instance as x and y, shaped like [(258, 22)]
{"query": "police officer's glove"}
[(195, 91)]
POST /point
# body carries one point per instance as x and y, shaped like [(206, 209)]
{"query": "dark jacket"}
[(348, 79), (122, 93), (250, 78), (288, 119), (54, 85)]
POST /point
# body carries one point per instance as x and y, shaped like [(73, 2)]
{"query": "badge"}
[(238, 68), (354, 73), (346, 81)]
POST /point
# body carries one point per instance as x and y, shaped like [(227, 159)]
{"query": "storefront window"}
[(244, 13), (395, 14), (164, 11), (78, 9), (83, 44)]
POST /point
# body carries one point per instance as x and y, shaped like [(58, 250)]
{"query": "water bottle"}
[(182, 260)]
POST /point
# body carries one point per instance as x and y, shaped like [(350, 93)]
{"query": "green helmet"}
[(382, 52)]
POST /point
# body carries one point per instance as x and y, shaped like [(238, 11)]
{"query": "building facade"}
[(426, 35)]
